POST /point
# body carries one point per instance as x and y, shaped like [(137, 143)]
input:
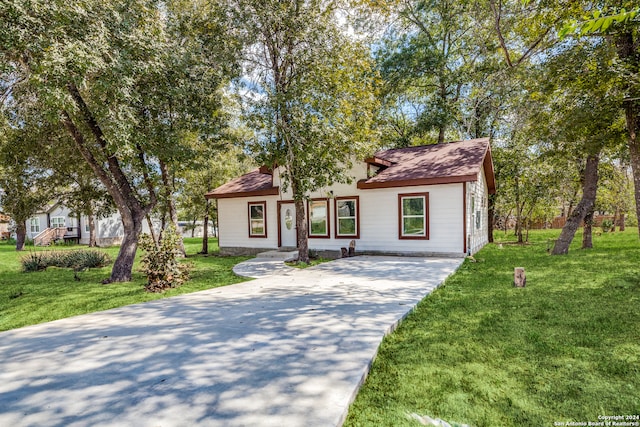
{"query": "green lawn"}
[(480, 352), (30, 298)]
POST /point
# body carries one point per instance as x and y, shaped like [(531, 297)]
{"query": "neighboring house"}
[(4, 226), (428, 200), (53, 222), (195, 229), (56, 222)]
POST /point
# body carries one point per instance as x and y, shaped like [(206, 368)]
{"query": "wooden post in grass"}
[(519, 279)]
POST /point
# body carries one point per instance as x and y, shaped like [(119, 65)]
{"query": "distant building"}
[(56, 222)]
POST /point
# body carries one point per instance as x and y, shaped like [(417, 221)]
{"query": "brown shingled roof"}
[(433, 164), (453, 162), (254, 183)]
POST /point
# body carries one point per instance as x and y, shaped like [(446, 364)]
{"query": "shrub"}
[(35, 261), (160, 262), (77, 260), (607, 225)]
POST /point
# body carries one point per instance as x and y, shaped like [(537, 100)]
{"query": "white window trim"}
[(424, 216), (35, 221), (64, 222), (356, 217)]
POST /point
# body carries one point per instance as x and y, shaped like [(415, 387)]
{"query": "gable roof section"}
[(255, 183), (453, 162)]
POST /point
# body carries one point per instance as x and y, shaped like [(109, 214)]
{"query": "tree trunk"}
[(92, 231), (505, 224), (132, 210), (21, 235), (616, 214), (441, 134), (152, 230), (621, 222), (171, 203), (518, 230), (590, 186), (627, 49), (193, 228), (301, 224), (491, 213), (633, 124), (205, 230), (587, 237), (122, 269)]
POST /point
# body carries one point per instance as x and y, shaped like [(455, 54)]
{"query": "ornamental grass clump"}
[(77, 260), (35, 261), (160, 262)]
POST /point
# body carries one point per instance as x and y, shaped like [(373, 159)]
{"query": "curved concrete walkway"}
[(258, 268), (285, 350)]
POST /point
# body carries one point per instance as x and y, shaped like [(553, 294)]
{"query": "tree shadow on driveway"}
[(285, 350)]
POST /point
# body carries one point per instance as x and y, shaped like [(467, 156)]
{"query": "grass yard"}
[(480, 352), (30, 298)]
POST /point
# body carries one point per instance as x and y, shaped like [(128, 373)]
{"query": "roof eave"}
[(489, 174), (364, 185), (273, 191), (377, 161)]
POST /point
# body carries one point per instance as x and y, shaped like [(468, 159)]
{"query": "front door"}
[(288, 235)]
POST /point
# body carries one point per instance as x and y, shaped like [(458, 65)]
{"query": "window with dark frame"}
[(257, 219), (347, 217), (318, 218), (413, 216)]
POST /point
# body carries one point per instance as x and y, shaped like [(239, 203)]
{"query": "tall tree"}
[(101, 69), (428, 61), (24, 185), (581, 117), (311, 96), (616, 23)]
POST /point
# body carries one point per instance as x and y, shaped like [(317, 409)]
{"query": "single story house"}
[(426, 201), (56, 222)]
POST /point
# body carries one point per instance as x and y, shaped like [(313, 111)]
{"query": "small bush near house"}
[(607, 225), (77, 260), (160, 262)]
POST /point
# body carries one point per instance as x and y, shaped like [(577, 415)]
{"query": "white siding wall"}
[(478, 237), (63, 211), (42, 219), (111, 227), (109, 230), (379, 220), (233, 222)]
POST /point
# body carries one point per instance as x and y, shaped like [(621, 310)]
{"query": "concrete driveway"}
[(286, 350)]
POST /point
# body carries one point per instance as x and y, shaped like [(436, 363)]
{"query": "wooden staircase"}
[(49, 235)]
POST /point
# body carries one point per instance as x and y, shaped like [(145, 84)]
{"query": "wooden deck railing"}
[(49, 235)]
